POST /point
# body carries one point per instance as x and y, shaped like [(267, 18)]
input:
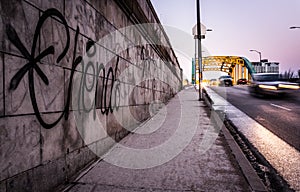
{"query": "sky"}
[(238, 26)]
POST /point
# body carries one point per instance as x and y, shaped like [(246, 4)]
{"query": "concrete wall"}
[(42, 144)]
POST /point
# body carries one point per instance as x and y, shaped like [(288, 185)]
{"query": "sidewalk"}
[(193, 169)]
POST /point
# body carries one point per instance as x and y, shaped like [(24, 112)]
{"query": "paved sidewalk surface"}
[(193, 169)]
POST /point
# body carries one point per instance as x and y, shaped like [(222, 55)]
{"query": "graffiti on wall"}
[(105, 81), (33, 61)]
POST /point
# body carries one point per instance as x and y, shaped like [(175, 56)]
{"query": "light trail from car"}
[(281, 107)]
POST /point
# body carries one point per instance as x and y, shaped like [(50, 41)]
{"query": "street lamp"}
[(198, 36), (293, 27), (199, 50), (258, 53)]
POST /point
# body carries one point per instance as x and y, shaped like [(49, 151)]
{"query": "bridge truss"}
[(236, 67)]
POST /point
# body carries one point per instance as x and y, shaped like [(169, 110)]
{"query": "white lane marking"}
[(280, 107)]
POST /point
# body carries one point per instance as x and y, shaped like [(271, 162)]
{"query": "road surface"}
[(279, 115)]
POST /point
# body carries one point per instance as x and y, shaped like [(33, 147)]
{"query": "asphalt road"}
[(279, 115)]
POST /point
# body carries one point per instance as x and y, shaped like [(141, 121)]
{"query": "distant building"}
[(266, 67)]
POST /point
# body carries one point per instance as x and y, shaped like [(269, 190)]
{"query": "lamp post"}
[(293, 27), (199, 50), (198, 36), (258, 53)]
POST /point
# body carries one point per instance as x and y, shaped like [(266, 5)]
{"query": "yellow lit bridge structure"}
[(236, 67)]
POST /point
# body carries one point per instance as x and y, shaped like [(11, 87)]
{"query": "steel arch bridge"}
[(236, 67)]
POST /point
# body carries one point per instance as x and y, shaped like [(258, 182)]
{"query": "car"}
[(225, 80), (242, 81), (213, 82), (263, 84)]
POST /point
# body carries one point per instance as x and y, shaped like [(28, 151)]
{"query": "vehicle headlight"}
[(267, 87), (288, 86)]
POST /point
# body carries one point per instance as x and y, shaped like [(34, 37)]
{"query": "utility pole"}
[(199, 50)]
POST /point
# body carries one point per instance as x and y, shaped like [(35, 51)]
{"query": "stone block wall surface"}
[(76, 77)]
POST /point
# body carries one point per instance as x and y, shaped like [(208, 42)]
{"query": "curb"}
[(248, 171)]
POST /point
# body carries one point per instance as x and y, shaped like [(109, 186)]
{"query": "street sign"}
[(203, 31)]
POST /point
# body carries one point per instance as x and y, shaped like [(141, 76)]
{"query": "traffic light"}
[(222, 65), (231, 67)]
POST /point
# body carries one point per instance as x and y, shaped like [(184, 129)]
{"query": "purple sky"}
[(241, 25)]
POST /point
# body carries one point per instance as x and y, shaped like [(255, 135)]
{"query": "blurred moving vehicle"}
[(225, 80), (242, 81), (213, 82), (270, 84)]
